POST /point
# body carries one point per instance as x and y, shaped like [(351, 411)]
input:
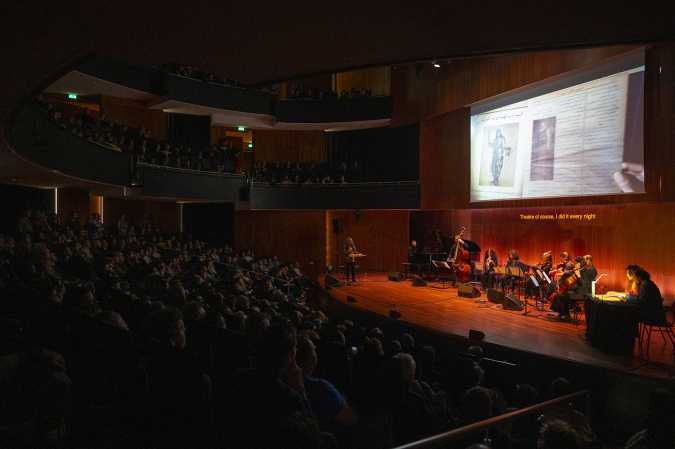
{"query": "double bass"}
[(460, 259)]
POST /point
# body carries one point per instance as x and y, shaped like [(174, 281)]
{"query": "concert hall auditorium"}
[(360, 225)]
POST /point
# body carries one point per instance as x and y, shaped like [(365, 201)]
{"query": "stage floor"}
[(442, 310)]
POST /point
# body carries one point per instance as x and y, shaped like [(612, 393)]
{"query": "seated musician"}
[(413, 252), (350, 261), (490, 263), (586, 273), (563, 301), (648, 299), (514, 270), (546, 264)]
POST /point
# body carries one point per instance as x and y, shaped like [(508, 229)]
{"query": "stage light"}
[(72, 96), (250, 146), (241, 129), (436, 65)]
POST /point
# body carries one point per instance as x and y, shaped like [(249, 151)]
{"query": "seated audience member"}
[(328, 404), (263, 397), (568, 414), (660, 432), (557, 434), (411, 402)]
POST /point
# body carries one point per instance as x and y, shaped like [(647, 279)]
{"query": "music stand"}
[(441, 265)]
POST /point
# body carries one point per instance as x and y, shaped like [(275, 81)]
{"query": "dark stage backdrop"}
[(17, 199), (211, 222), (192, 130), (385, 154)]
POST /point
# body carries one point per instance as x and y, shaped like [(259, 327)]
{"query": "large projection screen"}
[(579, 134)]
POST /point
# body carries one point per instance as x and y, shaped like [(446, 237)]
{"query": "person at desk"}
[(648, 299)]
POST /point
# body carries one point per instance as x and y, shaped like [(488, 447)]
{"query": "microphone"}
[(595, 282)]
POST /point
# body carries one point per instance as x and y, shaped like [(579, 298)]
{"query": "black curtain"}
[(383, 154), (17, 199), (190, 130), (210, 222)]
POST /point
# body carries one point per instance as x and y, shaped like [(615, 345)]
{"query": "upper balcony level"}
[(59, 148), (226, 103)]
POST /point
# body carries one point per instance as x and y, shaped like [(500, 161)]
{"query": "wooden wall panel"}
[(382, 235), (420, 91), (297, 146), (377, 79), (135, 114), (298, 236), (444, 161), (160, 213), (74, 200), (618, 235)]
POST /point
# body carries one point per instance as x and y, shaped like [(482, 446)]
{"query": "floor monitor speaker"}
[(418, 281), (468, 291), (395, 276), (495, 296), (513, 303), (332, 281)]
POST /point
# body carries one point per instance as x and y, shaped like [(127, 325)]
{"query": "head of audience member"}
[(557, 434), (407, 343), (525, 395), (306, 355), (276, 350), (476, 405), (561, 387), (167, 328), (112, 319)]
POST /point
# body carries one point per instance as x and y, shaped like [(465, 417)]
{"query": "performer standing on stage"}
[(350, 259)]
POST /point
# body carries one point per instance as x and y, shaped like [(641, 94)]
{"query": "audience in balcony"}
[(189, 71), (221, 157), (301, 173), (300, 92), (124, 336)]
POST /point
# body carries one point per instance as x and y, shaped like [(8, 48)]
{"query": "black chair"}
[(647, 329)]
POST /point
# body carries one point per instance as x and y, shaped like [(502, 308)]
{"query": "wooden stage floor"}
[(442, 310)]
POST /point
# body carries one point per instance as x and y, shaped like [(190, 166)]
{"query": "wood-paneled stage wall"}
[(615, 235), (382, 235)]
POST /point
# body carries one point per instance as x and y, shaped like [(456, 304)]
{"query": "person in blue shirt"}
[(329, 406)]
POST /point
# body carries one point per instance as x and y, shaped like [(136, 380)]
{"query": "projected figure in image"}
[(499, 152)]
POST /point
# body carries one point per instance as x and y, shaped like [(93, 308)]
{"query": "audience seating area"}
[(120, 336), (140, 143)]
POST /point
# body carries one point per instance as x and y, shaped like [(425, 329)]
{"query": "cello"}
[(461, 259), (567, 282)]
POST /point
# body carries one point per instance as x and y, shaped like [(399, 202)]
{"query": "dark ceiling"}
[(255, 41)]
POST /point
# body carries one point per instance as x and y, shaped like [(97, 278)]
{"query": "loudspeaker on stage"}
[(468, 291), (418, 281), (395, 276), (332, 281), (513, 303), (495, 296)]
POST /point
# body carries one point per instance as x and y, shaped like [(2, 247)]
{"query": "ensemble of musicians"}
[(557, 284)]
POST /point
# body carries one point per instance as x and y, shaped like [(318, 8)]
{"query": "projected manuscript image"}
[(499, 153), (582, 137), (543, 149)]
